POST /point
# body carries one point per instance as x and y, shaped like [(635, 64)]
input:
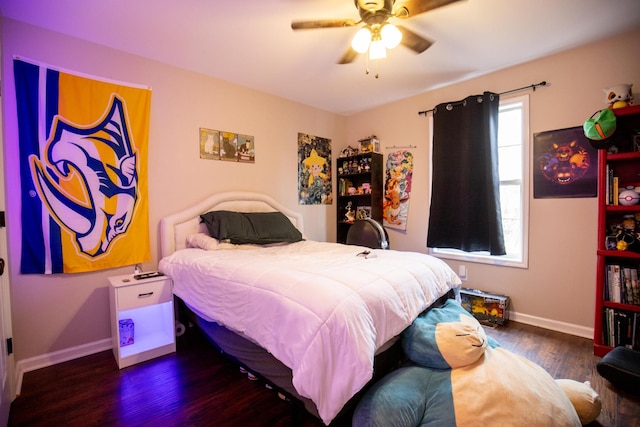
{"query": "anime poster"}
[(397, 189), (314, 170), (565, 164)]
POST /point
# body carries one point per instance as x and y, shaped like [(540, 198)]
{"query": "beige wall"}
[(52, 313), (557, 290)]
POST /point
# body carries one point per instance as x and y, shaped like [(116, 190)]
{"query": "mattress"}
[(322, 309)]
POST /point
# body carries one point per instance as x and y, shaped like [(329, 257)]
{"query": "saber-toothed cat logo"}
[(81, 151), (88, 178)]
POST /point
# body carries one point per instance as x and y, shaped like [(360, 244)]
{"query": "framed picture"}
[(246, 149), (209, 144), (229, 146), (363, 212), (565, 164)]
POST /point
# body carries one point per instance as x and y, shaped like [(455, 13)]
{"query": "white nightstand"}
[(148, 303)]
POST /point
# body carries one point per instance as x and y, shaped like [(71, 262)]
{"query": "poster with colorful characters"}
[(565, 164), (397, 189), (314, 170)]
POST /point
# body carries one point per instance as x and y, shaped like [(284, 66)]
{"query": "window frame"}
[(485, 257)]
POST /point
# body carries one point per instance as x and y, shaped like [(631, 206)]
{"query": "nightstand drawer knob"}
[(146, 294)]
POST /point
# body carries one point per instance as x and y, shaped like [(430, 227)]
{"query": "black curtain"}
[(465, 195)]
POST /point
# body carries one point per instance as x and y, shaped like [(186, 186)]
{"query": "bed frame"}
[(174, 230)]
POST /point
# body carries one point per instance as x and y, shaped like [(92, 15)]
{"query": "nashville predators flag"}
[(83, 171)]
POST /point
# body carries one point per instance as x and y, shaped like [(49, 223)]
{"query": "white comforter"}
[(317, 307)]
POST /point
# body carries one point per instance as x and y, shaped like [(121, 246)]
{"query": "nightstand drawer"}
[(142, 294)]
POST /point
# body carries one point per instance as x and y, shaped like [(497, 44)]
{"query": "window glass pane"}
[(510, 162), (510, 196)]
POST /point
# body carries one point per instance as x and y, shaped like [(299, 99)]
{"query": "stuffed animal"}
[(461, 377), (619, 96)]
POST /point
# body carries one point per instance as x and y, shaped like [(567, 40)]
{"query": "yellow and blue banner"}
[(83, 171)]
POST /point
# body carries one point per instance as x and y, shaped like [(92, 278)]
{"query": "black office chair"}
[(621, 367), (368, 232)]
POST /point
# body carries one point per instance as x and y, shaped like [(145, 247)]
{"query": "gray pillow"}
[(256, 228)]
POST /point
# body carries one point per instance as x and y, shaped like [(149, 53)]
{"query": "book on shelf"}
[(635, 291), (627, 295), (615, 191), (621, 284), (614, 283), (607, 190), (609, 186), (621, 328)]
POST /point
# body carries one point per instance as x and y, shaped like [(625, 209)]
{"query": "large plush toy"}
[(461, 377)]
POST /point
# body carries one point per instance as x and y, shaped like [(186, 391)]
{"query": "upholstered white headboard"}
[(175, 228)]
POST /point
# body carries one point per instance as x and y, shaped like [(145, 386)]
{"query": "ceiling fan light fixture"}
[(377, 50), (391, 36), (361, 40)]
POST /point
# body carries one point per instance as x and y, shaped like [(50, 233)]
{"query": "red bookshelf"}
[(617, 313)]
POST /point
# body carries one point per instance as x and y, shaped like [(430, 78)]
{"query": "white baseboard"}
[(49, 359), (554, 325)]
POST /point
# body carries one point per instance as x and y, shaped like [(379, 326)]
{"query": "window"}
[(513, 161)]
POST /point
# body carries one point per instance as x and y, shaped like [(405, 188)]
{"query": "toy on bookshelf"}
[(628, 196), (363, 212), (349, 216)]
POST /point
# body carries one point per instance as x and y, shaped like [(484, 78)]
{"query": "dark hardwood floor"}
[(197, 386)]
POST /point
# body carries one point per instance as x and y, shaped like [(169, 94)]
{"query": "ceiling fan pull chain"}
[(367, 71)]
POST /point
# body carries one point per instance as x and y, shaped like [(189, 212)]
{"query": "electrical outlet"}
[(462, 272)]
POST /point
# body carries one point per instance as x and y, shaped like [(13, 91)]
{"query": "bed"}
[(312, 318)]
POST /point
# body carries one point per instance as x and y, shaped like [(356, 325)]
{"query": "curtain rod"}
[(532, 86)]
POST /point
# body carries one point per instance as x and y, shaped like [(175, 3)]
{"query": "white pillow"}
[(202, 241)]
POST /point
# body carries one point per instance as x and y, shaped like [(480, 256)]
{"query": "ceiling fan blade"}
[(348, 56), (322, 23), (411, 8), (413, 41)]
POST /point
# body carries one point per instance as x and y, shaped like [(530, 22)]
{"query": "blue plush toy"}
[(461, 377)]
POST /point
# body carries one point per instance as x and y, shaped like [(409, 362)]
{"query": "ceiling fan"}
[(377, 34)]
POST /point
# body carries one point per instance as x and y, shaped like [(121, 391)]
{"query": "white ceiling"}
[(250, 42)]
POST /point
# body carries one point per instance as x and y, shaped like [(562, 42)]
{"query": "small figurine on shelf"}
[(624, 240), (349, 216), (349, 151), (619, 96), (628, 196), (366, 164), (369, 144), (629, 223)]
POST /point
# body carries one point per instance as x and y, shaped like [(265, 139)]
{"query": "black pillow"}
[(251, 227)]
